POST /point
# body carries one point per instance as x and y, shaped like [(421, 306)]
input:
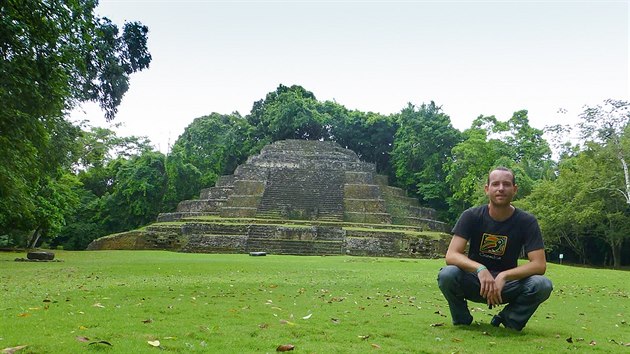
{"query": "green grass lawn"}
[(127, 301)]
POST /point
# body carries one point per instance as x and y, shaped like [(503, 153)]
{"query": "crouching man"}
[(497, 232)]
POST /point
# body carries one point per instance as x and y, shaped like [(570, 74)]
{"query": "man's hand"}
[(491, 287)]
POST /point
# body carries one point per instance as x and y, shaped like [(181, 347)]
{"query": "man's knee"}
[(448, 276), (541, 287)]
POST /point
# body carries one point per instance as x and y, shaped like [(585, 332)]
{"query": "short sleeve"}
[(465, 225)]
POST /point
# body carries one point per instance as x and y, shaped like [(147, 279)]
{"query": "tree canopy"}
[(54, 55)]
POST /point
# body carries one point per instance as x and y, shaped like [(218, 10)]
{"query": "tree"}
[(468, 166), (137, 194), (370, 135), (579, 207), (606, 124), (422, 144), (552, 201), (288, 113), (215, 145), (54, 55)]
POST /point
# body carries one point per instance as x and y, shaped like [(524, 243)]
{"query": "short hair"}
[(502, 168)]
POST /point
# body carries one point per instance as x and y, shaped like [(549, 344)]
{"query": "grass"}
[(209, 303)]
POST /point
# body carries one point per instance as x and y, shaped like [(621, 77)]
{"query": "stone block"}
[(364, 205), (369, 218), (249, 187), (362, 191), (200, 205), (237, 212), (40, 255), (354, 177), (215, 193)]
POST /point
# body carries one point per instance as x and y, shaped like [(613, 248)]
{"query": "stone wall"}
[(205, 237)]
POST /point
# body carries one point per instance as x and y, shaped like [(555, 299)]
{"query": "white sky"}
[(470, 57)]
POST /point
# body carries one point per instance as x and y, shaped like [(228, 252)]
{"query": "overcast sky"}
[(470, 57)]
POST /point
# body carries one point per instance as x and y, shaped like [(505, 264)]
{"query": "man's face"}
[(500, 188)]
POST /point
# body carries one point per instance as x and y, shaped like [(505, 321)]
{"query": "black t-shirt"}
[(498, 244)]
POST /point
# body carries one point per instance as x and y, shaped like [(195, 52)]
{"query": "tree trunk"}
[(626, 176), (616, 254), (35, 237)]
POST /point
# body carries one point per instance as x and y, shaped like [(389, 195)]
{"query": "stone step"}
[(252, 172), (364, 205), (215, 229), (249, 187), (225, 181), (248, 201), (362, 191), (394, 191), (370, 218), (382, 180), (354, 177), (215, 193), (200, 205), (425, 224), (313, 233), (238, 212), (295, 247), (167, 217), (216, 244)]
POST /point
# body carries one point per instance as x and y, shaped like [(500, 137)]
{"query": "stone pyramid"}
[(295, 197)]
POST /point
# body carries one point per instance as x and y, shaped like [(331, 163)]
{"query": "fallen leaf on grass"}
[(456, 340), (439, 313), (25, 314), (335, 320), (154, 343), (285, 348), (439, 324), (592, 343), (364, 337), (147, 320), (101, 342), (13, 349), (98, 304), (287, 322), (307, 316), (570, 340), (263, 325), (82, 339), (375, 346)]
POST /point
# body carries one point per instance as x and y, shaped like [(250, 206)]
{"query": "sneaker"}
[(496, 321)]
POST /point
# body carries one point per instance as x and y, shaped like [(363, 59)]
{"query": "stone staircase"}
[(316, 240)]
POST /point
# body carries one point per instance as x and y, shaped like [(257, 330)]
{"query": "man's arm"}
[(455, 256), (537, 265)]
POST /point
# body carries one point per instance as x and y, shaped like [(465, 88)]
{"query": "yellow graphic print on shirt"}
[(493, 244)]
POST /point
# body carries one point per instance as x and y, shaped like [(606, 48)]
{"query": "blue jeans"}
[(521, 296)]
